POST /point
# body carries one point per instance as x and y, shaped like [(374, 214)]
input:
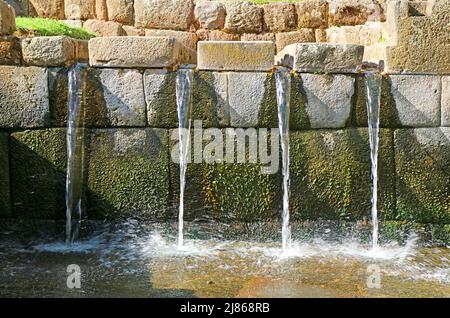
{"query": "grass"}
[(49, 27)]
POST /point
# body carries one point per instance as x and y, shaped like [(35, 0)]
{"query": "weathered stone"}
[(236, 56), (328, 99), (48, 51), (188, 40), (81, 50), (216, 35), (354, 12), (38, 161), (422, 160), (7, 19), (121, 11), (287, 38), (322, 57), (416, 99), (79, 9), (101, 10), (52, 9), (210, 15), (210, 99), (128, 173), (312, 14), (330, 175), (23, 97), (243, 17), (164, 14), (279, 17), (344, 35), (370, 33), (104, 28), (321, 35), (20, 7), (74, 23), (133, 31), (115, 98), (445, 101), (160, 86), (5, 197), (151, 52), (252, 100), (258, 37), (375, 53), (58, 86), (418, 44), (10, 50)]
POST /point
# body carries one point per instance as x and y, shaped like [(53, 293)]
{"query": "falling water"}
[(283, 98), (373, 84), (75, 151), (183, 92)]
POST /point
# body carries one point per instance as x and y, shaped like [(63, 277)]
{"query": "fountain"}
[(373, 84), (283, 87), (183, 96), (75, 151)]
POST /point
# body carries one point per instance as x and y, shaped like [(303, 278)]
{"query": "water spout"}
[(75, 151), (373, 84), (283, 86), (183, 93)]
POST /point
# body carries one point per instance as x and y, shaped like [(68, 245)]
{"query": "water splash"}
[(183, 93), (373, 84), (283, 85), (75, 151)]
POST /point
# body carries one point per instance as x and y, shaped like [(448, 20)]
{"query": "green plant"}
[(49, 27)]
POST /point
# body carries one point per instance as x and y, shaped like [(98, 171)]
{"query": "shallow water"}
[(134, 260)]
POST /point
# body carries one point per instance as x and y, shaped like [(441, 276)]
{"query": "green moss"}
[(5, 203), (38, 161), (128, 173), (298, 116), (50, 27)]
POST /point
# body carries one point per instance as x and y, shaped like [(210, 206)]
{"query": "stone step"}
[(322, 57), (236, 55), (135, 51)]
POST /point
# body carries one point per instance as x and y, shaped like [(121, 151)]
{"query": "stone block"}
[(322, 57), (128, 52), (188, 41), (279, 17), (312, 14), (38, 177), (20, 7), (23, 97), (422, 160), (101, 10), (243, 17), (128, 173), (210, 15), (48, 51), (5, 196), (300, 36), (216, 35), (236, 56), (344, 35), (79, 9), (164, 14), (258, 37), (121, 11), (51, 9), (58, 88), (10, 50), (7, 19), (445, 101), (133, 31), (354, 12), (104, 28)]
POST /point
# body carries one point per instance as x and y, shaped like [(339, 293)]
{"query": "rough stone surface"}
[(279, 17), (121, 11), (258, 37), (52, 9), (115, 97), (445, 101), (243, 17), (128, 173), (160, 86), (7, 19), (216, 35), (287, 38), (210, 15), (10, 50), (38, 161), (252, 100), (312, 14), (371, 33), (237, 56), (133, 31), (23, 97), (151, 52), (416, 99), (79, 9), (5, 199), (58, 86), (104, 28), (322, 57), (20, 7), (330, 175), (354, 12), (81, 50), (422, 160), (320, 35), (328, 99), (210, 99), (188, 40), (164, 14), (48, 51), (101, 10), (74, 23), (344, 35)]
